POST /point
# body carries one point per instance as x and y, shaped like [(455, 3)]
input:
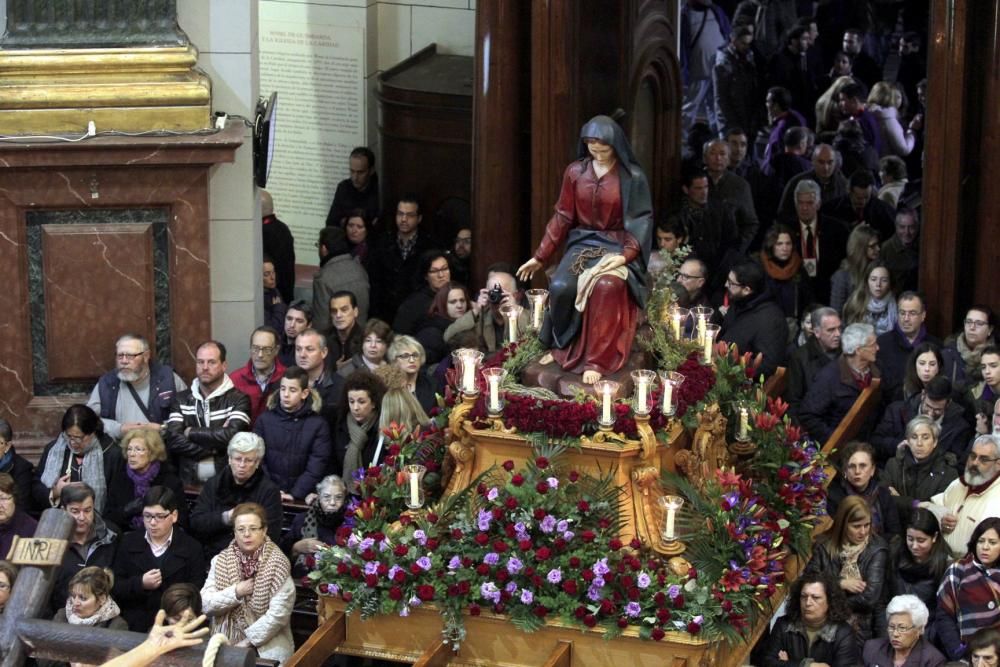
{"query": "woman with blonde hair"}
[(408, 355), (828, 114), (89, 604), (249, 592), (884, 101), (873, 301), (862, 249), (146, 466)]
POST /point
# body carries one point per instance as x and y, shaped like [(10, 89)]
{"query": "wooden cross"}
[(21, 633)]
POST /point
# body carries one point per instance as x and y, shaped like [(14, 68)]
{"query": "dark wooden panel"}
[(98, 283)]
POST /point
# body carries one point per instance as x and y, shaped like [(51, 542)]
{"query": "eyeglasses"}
[(408, 356), (975, 324), (76, 439), (257, 349), (331, 497), (684, 276), (150, 517), (899, 629), (248, 530), (243, 460), (733, 283), (136, 450), (443, 269), (973, 457), (4, 586), (128, 356), (5, 499)]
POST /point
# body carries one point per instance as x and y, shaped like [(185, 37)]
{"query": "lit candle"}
[(641, 400), (668, 533), (512, 326), (677, 324), (606, 412), (494, 393), (468, 374), (537, 312), (744, 423), (668, 391), (708, 347), (701, 328), (414, 489)]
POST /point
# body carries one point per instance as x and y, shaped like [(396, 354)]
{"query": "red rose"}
[(692, 573), (587, 575), (660, 599), (453, 591), (693, 628), (456, 533), (425, 592), (432, 544), (603, 522), (511, 503), (499, 546), (524, 545), (540, 514), (679, 602), (482, 539), (474, 610), (543, 553), (415, 569), (382, 569), (569, 586), (583, 506), (405, 519), (499, 607), (368, 554), (355, 572), (587, 536), (636, 543), (615, 544), (542, 487), (517, 480), (502, 575), (542, 462), (401, 550), (432, 517), (540, 611), (394, 449), (606, 606), (580, 612), (657, 634), (589, 620), (727, 605), (341, 568), (622, 622), (573, 475), (508, 465), (663, 615), (482, 569), (481, 489), (399, 577), (634, 594), (574, 561), (348, 596), (497, 513), (559, 544), (395, 593)]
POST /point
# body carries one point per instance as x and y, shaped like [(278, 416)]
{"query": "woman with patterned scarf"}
[(249, 593), (963, 350), (317, 527), (89, 604), (859, 557)]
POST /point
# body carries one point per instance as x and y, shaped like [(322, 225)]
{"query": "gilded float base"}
[(45, 91)]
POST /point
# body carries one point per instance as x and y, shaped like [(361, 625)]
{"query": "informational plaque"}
[(38, 551), (314, 57)]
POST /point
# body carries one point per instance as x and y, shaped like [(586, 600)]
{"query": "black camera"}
[(495, 294)]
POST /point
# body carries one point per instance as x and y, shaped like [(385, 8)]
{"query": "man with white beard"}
[(138, 392), (974, 496)]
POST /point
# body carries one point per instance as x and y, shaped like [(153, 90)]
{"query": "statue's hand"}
[(528, 269), (612, 262)]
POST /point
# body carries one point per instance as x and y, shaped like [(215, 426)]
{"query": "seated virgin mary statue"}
[(604, 219)]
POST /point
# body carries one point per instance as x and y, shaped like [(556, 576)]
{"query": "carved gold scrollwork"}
[(649, 516), (647, 437), (709, 450)]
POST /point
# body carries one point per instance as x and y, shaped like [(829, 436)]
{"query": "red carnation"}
[(580, 612), (499, 546), (401, 550), (511, 503), (679, 602), (693, 628), (524, 545), (574, 561), (432, 517), (589, 620), (615, 544), (415, 569), (543, 553), (663, 615), (606, 606), (636, 543), (463, 587), (432, 544), (622, 622), (540, 611), (573, 475), (482, 539), (399, 577), (395, 593), (583, 506), (517, 480), (508, 465), (657, 634), (482, 569), (542, 486), (474, 610), (425, 592), (587, 536), (456, 533), (497, 513), (692, 573), (542, 462), (368, 554), (587, 575), (539, 514), (569, 586)]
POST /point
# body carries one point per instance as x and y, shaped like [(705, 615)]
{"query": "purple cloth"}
[(141, 482), (775, 141), (21, 525)]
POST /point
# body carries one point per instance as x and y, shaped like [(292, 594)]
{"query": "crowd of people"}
[(797, 222)]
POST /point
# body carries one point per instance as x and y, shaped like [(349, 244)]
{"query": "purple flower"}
[(548, 524), (514, 565), (371, 567), (353, 541), (366, 544), (594, 593), (554, 576), (405, 611), (633, 609), (562, 526), (383, 546), (424, 563), (519, 527), (492, 494), (491, 558), (358, 474), (483, 520), (568, 535), (415, 601), (392, 572), (489, 591), (332, 589), (598, 582), (674, 591), (600, 568), (420, 536), (553, 482), (643, 580), (454, 563), (526, 596), (510, 587)]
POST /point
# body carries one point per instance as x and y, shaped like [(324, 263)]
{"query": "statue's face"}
[(600, 151)]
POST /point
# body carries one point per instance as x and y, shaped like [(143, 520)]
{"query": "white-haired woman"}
[(905, 646), (316, 527), (242, 481), (407, 354), (920, 468)]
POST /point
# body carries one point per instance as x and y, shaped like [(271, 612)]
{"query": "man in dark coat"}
[(710, 225), (821, 240), (737, 79), (895, 346), (935, 402), (338, 272), (861, 205), (150, 561), (92, 541), (242, 481), (279, 245), (808, 360), (825, 172), (358, 191), (394, 263), (838, 386), (754, 322)]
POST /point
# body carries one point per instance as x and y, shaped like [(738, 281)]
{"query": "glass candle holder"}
[(537, 298), (743, 416), (643, 382), (415, 496), (678, 320), (606, 391), (494, 399), (466, 361), (511, 312), (702, 316), (708, 342), (672, 380), (671, 506)]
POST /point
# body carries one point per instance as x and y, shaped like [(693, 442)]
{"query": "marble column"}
[(40, 24)]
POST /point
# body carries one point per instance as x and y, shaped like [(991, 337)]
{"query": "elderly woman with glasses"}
[(317, 527), (14, 522), (81, 453), (905, 645), (242, 481), (249, 592), (407, 354), (146, 466)]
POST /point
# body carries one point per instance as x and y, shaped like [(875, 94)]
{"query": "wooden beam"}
[(561, 656), (322, 643), (855, 417), (437, 655), (775, 385)]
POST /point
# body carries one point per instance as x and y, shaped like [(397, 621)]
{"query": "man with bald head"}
[(727, 187), (825, 172)]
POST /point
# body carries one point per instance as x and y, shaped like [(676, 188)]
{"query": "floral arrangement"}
[(532, 544)]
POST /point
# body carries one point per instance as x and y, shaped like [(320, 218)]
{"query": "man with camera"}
[(485, 317)]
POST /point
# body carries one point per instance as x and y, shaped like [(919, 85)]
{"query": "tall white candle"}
[(668, 391), (677, 325), (414, 489), (669, 532), (494, 393), (708, 347), (512, 327), (606, 412), (468, 374), (641, 399), (744, 423), (701, 328), (537, 313)]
